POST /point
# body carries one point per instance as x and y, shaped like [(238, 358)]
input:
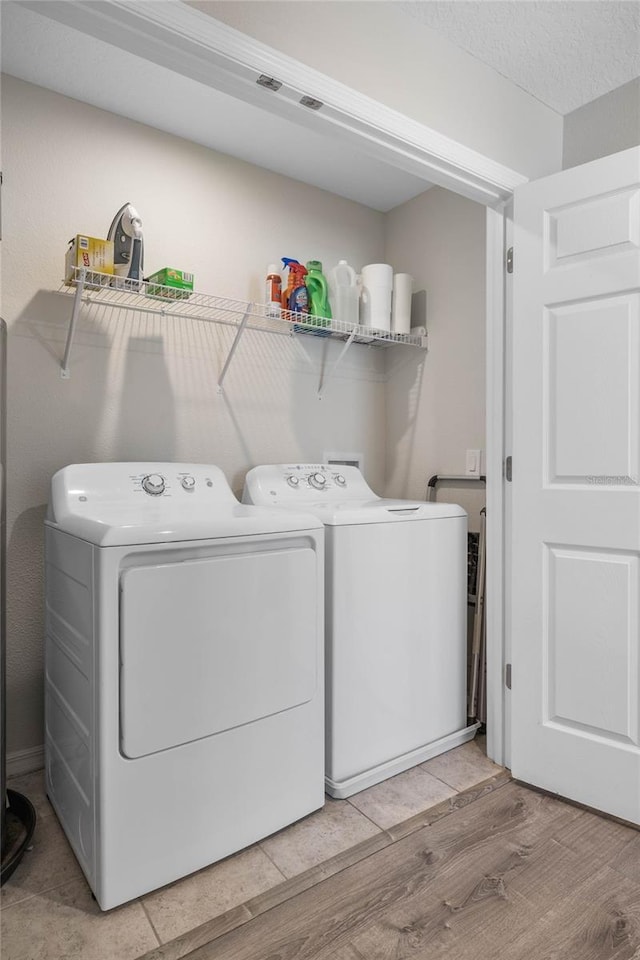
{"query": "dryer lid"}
[(117, 504)]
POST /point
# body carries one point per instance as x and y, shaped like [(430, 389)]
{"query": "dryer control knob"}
[(317, 480), (293, 481), (153, 484), (188, 483), (340, 480)]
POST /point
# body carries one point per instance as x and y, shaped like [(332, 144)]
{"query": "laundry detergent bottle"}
[(295, 297), (319, 306), (344, 293)]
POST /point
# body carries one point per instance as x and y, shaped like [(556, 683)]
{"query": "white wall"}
[(436, 408), (377, 49), (141, 388), (606, 125)]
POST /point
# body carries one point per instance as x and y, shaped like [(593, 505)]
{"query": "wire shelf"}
[(108, 290), (90, 287)]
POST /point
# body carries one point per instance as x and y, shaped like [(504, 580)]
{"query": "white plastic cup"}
[(377, 289), (401, 308)]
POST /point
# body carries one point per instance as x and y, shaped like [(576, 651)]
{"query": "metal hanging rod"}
[(444, 477)]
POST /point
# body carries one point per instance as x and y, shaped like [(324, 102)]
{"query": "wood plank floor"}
[(515, 875)]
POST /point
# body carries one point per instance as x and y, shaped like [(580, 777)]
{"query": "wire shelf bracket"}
[(233, 348), (65, 372), (326, 380)]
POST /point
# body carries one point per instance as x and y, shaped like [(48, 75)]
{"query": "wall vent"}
[(340, 459)]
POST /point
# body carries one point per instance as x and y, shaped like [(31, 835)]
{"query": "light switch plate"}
[(473, 463)]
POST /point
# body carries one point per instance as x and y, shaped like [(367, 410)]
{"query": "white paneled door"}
[(576, 485)]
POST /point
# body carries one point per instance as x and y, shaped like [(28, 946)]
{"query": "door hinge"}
[(507, 676), (508, 469), (510, 260)]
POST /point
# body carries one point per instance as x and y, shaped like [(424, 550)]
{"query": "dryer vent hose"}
[(20, 819)]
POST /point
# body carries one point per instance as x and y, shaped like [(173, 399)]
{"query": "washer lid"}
[(114, 504), (380, 511)]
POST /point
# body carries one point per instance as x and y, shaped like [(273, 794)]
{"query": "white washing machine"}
[(395, 615), (184, 670)]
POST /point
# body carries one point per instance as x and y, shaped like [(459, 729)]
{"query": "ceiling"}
[(563, 52), (39, 49)]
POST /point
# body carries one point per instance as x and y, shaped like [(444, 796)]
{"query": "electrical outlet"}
[(473, 463)]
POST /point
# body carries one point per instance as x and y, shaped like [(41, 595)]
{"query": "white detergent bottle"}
[(344, 293)]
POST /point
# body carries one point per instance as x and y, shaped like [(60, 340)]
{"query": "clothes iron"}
[(128, 245)]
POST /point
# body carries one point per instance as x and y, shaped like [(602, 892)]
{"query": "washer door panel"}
[(207, 645)]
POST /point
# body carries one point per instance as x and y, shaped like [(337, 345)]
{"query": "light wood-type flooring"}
[(47, 912), (451, 859), (514, 875)]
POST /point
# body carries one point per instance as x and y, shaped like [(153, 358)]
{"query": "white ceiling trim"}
[(190, 43)]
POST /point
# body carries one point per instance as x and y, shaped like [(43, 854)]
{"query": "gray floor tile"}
[(462, 767), (50, 863), (319, 836), (403, 796), (204, 895), (67, 924)]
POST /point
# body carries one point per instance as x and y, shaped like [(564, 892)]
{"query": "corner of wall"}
[(604, 126)]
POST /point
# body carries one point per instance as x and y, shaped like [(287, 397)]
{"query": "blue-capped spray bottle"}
[(295, 297)]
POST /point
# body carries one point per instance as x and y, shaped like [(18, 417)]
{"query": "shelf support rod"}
[(77, 302), (234, 347), (326, 380)]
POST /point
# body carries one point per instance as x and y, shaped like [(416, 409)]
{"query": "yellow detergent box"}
[(170, 283), (89, 252)]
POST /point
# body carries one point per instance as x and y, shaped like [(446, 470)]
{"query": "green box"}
[(170, 284)]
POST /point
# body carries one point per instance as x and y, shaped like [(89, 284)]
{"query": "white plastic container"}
[(377, 287), (401, 308), (344, 293)]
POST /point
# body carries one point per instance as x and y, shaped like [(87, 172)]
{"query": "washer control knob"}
[(153, 484), (340, 480), (293, 481), (188, 483), (317, 480)]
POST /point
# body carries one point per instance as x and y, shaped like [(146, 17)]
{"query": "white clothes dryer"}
[(395, 618), (184, 670)]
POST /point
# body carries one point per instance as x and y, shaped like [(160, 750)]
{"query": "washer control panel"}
[(314, 476), (300, 482)]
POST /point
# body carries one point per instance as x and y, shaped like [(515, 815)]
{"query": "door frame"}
[(193, 44), (496, 600)]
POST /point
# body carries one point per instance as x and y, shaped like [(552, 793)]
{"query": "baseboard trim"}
[(25, 761)]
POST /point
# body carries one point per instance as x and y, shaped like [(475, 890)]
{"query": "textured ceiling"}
[(563, 52)]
